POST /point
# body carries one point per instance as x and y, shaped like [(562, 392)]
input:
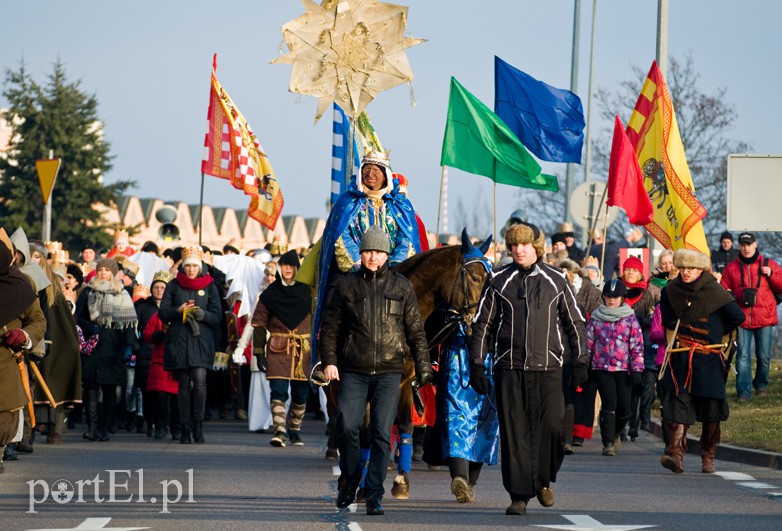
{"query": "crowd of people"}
[(141, 340)]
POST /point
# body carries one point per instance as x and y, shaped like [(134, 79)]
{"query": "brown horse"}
[(449, 279)]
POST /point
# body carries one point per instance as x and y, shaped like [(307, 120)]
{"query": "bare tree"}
[(476, 217)]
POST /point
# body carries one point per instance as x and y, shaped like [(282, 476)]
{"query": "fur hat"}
[(691, 258), (108, 263), (76, 272), (633, 262), (375, 239), (615, 288), (290, 258), (526, 233), (566, 264)]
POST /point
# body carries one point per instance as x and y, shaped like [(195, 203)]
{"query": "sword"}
[(42, 383), (26, 385)]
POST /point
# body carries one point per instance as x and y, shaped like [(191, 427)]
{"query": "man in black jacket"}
[(371, 316), (725, 254), (526, 315)]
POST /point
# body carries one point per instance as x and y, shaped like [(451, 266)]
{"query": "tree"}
[(62, 118)]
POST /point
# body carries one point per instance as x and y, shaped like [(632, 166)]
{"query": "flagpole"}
[(350, 155), (495, 222), (439, 206), (201, 209), (605, 241)]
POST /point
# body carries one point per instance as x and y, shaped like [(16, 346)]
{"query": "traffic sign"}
[(47, 173), (585, 205)]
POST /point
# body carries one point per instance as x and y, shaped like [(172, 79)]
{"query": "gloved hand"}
[(158, 337), (195, 329), (580, 376), (636, 379), (478, 380), (238, 357), (198, 314), (260, 359), (15, 339), (424, 377)]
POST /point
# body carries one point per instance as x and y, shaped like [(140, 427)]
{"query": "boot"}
[(673, 459), (608, 430), (278, 420), (567, 430), (184, 435), (710, 438), (198, 431), (296, 416)]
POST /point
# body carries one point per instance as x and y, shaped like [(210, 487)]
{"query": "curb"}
[(728, 452)]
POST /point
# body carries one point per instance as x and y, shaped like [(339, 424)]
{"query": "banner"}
[(625, 180)]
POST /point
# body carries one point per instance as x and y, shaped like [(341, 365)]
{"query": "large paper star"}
[(347, 51)]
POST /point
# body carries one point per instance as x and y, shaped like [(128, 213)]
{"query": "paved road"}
[(240, 482)]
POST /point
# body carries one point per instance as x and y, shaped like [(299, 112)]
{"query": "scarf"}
[(17, 294), (751, 259), (193, 284), (635, 291), (697, 299), (290, 304), (612, 315), (110, 305)]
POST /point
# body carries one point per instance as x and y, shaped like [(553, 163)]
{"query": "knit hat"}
[(526, 233), (108, 263), (633, 262), (192, 255), (291, 258), (726, 236), (692, 259), (76, 272), (558, 237), (615, 288), (375, 239)]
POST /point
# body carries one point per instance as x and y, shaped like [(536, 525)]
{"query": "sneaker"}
[(517, 507), (294, 438), (609, 450), (278, 439), (460, 489), (633, 435)]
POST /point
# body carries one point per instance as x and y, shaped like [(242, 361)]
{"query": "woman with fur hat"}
[(701, 313), (191, 309), (283, 310), (525, 314), (616, 348), (105, 309)]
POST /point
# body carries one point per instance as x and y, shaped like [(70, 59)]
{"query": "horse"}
[(448, 279)]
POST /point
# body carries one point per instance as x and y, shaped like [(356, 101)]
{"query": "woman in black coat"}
[(106, 309), (191, 308)]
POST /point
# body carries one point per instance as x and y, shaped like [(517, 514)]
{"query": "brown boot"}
[(710, 437), (673, 459)]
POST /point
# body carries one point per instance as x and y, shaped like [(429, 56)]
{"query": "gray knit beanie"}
[(375, 239)]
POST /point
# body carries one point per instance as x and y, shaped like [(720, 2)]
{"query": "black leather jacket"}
[(369, 320)]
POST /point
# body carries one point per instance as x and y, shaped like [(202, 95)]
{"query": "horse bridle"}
[(457, 316)]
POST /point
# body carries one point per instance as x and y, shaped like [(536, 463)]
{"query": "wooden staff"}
[(26, 385), (42, 383), (668, 350)]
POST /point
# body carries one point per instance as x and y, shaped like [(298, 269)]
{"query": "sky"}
[(149, 63)]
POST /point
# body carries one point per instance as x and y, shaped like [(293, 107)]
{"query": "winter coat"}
[(145, 309), (61, 367), (105, 366), (531, 331), (183, 350), (12, 394), (657, 336), (764, 312), (720, 258), (158, 379), (369, 322), (615, 346)]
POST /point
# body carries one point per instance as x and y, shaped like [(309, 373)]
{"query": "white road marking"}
[(584, 522), (756, 485), (93, 524), (353, 526), (735, 476)]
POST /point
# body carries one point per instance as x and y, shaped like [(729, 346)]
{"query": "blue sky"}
[(149, 63)]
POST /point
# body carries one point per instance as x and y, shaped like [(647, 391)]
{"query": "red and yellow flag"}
[(654, 132), (232, 152)]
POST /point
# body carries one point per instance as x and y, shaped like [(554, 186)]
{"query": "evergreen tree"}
[(60, 117)]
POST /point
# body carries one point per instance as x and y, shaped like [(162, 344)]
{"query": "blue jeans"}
[(381, 391), (744, 380)]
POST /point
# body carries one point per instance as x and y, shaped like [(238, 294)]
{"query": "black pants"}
[(531, 410), (100, 418), (191, 401), (615, 389)]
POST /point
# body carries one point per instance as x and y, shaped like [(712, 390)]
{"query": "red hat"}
[(633, 262)]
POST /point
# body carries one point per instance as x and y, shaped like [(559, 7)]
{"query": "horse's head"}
[(471, 278)]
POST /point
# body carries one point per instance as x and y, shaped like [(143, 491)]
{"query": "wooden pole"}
[(496, 259), (201, 210), (605, 242), (439, 206)]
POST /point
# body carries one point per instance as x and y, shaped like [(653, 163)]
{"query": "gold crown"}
[(162, 276), (378, 157), (53, 246), (193, 251), (277, 248), (60, 257), (140, 291), (209, 258), (121, 235)]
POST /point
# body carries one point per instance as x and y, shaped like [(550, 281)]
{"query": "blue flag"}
[(341, 130), (548, 121)]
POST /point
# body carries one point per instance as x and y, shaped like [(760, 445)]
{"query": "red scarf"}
[(193, 284), (640, 287)]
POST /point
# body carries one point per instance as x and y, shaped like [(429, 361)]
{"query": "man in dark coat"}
[(525, 315), (725, 254), (373, 316)]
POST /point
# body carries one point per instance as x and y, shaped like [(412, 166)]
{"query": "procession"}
[(408, 367)]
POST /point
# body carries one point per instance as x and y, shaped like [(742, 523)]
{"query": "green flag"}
[(477, 141)]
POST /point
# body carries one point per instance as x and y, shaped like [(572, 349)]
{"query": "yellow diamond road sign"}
[(47, 173)]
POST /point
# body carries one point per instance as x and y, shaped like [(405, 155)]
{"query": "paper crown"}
[(53, 246), (209, 258), (193, 251), (566, 227), (121, 236), (377, 157), (162, 276), (277, 248), (60, 257), (140, 291)]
